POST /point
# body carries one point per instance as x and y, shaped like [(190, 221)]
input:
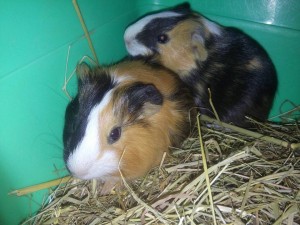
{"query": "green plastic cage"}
[(41, 43)]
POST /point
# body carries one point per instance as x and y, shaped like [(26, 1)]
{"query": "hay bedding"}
[(251, 182)]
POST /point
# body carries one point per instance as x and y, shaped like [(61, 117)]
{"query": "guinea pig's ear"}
[(144, 100), (198, 44), (83, 71), (183, 8)]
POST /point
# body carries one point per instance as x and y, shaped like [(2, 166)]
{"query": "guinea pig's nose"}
[(77, 172)]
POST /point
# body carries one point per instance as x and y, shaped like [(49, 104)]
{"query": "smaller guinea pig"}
[(124, 117), (237, 70)]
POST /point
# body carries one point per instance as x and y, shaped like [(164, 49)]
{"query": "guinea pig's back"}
[(240, 75), (144, 71), (254, 72)]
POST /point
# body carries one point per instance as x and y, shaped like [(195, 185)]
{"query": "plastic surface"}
[(35, 38)]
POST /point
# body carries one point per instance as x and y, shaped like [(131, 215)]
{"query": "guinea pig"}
[(238, 71), (124, 117)]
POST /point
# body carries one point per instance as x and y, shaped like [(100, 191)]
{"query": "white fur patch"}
[(133, 46), (212, 27), (84, 162)]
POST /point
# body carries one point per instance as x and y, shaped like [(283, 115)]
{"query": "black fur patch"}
[(183, 8), (138, 95), (148, 36), (91, 90), (236, 90)]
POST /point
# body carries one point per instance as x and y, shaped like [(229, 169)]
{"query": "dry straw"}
[(249, 179)]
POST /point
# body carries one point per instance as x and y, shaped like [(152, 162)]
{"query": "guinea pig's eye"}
[(162, 38), (114, 135)]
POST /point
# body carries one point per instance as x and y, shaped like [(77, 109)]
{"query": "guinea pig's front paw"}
[(109, 186)]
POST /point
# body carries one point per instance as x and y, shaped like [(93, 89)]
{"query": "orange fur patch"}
[(139, 71), (181, 52)]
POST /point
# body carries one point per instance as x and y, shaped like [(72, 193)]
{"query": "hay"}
[(250, 181)]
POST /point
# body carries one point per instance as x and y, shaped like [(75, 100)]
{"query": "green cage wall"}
[(41, 41)]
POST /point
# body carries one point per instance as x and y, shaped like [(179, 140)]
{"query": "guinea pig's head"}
[(123, 118), (178, 38)]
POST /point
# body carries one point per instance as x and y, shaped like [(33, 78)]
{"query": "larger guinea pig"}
[(237, 70), (124, 118)]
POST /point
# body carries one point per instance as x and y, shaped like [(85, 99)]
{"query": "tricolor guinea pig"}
[(237, 70), (124, 117)]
